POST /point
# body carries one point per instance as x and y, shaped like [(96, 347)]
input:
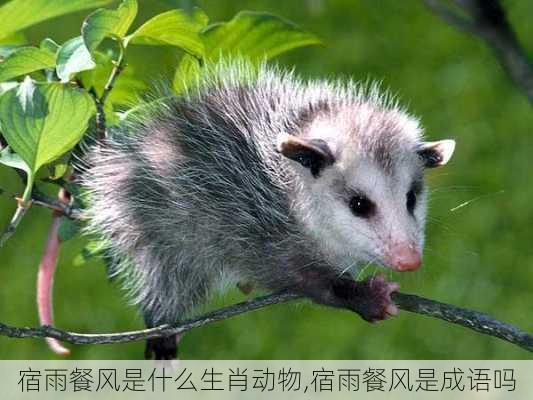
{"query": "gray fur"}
[(195, 193)]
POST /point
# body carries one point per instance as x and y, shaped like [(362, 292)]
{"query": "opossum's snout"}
[(403, 257)]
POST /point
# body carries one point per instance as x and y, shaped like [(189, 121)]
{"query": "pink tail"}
[(45, 283)]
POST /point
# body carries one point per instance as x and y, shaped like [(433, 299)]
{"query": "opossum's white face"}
[(362, 214), (363, 207)]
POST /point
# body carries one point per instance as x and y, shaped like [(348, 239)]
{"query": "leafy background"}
[(478, 255)]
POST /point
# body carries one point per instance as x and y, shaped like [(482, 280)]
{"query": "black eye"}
[(361, 206), (411, 201)]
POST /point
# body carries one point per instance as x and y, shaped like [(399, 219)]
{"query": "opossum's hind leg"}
[(174, 298), (162, 348)]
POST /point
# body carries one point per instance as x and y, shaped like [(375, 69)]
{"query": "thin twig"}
[(449, 16), (23, 204), (487, 20), (40, 199), (15, 221), (69, 210), (101, 130), (479, 322), (118, 67)]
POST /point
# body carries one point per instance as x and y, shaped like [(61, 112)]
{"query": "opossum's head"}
[(361, 192)]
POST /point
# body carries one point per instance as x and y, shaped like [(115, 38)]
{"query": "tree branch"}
[(479, 322), (449, 16), (487, 20), (474, 320)]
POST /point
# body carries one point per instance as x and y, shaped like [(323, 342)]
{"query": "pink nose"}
[(404, 257)]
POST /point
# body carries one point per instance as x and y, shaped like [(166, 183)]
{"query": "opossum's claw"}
[(374, 302)]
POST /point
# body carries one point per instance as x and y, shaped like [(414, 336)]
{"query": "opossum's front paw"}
[(373, 301), (164, 348)]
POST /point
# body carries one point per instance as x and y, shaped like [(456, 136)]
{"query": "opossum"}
[(256, 175)]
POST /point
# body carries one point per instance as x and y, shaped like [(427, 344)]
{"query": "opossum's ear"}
[(436, 154), (314, 154)]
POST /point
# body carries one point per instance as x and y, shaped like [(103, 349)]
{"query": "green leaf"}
[(11, 43), (95, 248), (73, 57), (50, 45), (5, 86), (67, 229), (19, 14), (24, 60), (144, 108), (255, 35), (59, 168), (127, 89), (14, 39), (13, 160), (188, 68), (43, 121), (7, 50), (108, 23), (200, 16), (174, 28)]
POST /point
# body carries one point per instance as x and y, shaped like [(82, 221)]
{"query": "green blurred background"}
[(479, 255)]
